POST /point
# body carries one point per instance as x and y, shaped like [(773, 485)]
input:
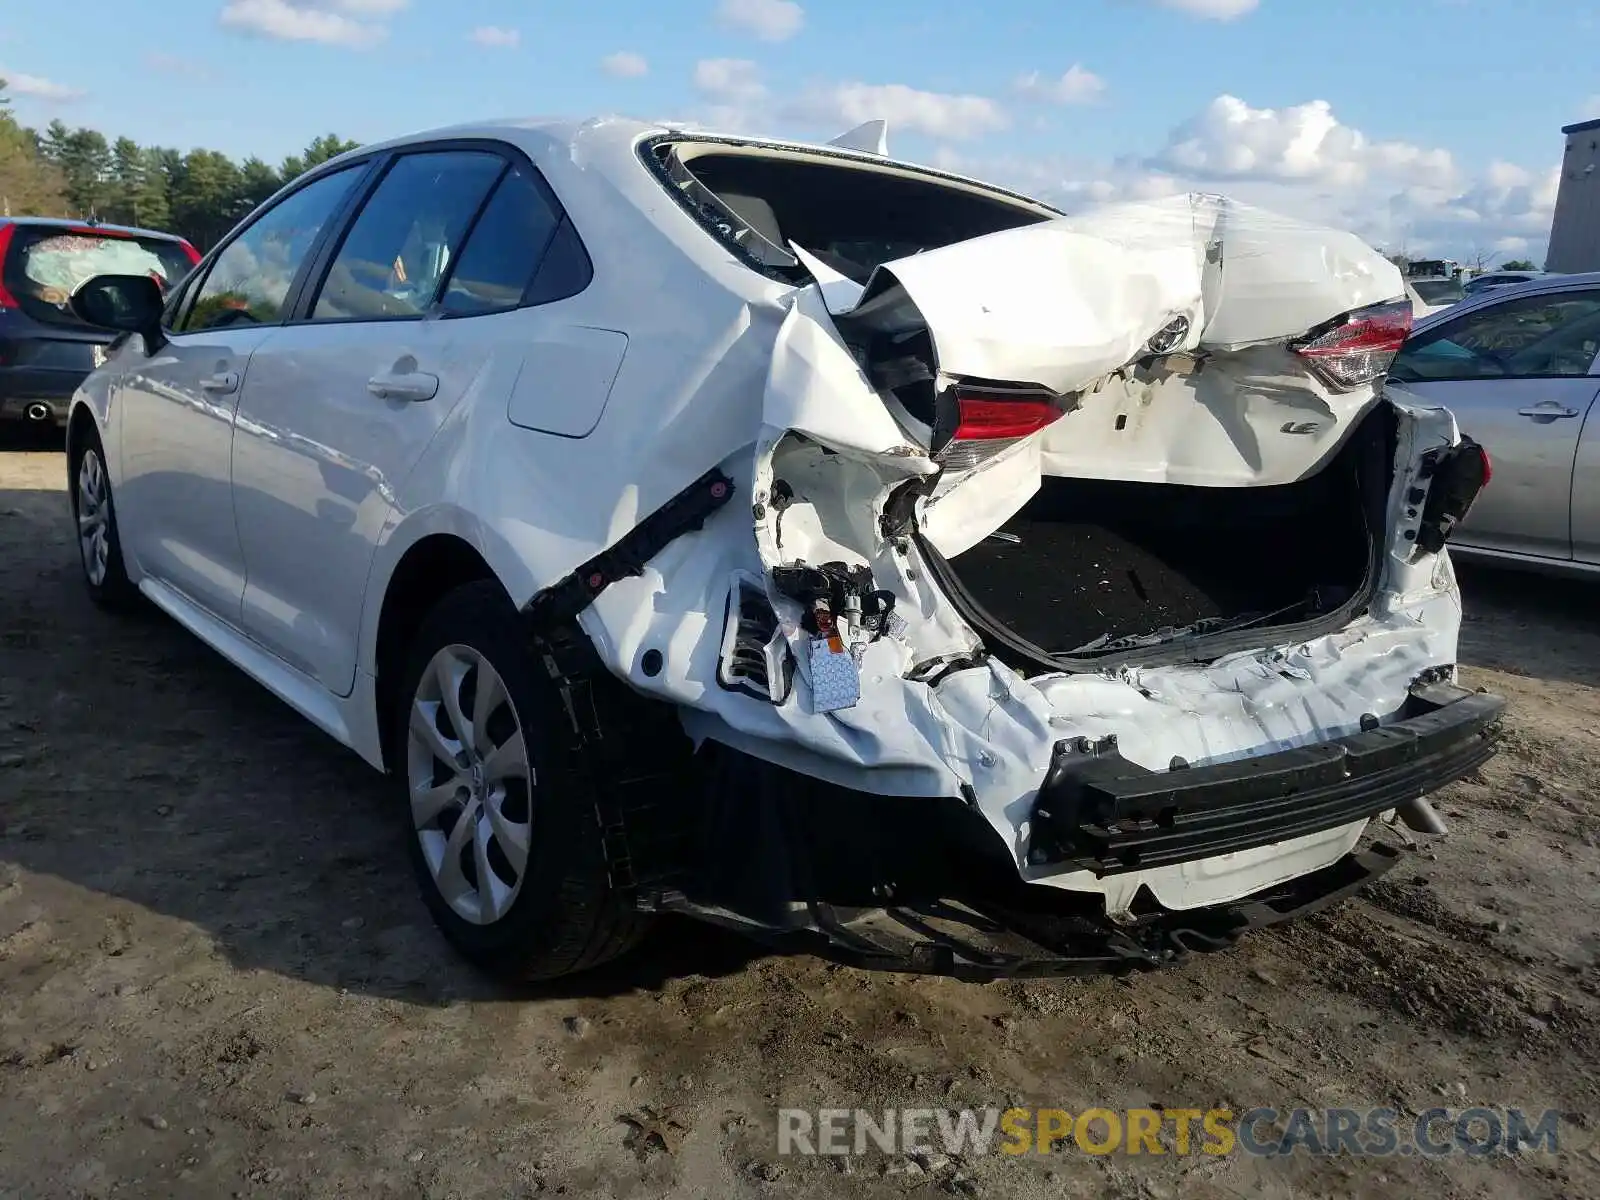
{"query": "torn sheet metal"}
[(919, 711), (1065, 302)]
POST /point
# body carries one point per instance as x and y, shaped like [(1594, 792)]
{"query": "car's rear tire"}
[(522, 889), (95, 515)]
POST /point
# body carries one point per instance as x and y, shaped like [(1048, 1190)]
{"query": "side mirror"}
[(124, 303)]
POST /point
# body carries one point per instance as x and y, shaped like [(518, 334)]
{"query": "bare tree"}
[(1481, 260)]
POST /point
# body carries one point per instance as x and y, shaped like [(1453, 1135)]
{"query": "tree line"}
[(59, 171)]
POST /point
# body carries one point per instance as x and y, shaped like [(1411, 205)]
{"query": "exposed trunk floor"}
[(1160, 556)]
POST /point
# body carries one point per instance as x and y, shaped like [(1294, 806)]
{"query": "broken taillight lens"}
[(1359, 346), (989, 420)]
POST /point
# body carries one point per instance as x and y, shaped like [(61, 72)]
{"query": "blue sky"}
[(1432, 124)]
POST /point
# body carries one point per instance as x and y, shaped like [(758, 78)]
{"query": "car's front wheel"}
[(99, 542), (506, 848)]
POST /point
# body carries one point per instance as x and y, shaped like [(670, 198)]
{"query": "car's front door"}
[(175, 408), (1519, 376), (344, 400)]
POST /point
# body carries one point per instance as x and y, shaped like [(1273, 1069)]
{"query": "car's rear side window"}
[(523, 250), (46, 264)]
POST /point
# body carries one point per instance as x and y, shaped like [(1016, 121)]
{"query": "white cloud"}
[(1213, 10), (1505, 203), (769, 20), (351, 23), (1076, 86), (36, 87), (939, 114), (1301, 161), (625, 64), (1231, 140), (729, 80), (496, 36)]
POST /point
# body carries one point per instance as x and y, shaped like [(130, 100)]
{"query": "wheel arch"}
[(430, 567), (80, 424)]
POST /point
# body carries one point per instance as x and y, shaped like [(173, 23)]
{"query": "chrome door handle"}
[(413, 385), (1547, 408), (223, 382)]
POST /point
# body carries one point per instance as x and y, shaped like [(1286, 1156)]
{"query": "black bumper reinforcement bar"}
[(1099, 811)]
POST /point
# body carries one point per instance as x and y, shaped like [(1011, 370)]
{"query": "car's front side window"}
[(406, 236), (1549, 335), (250, 280)]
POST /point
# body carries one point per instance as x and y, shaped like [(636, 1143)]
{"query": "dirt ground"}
[(216, 978)]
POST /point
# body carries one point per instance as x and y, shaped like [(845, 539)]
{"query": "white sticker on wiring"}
[(835, 678)]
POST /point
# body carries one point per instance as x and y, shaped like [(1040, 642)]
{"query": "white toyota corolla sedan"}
[(864, 557)]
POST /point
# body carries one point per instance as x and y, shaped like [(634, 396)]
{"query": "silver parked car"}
[(1520, 368)]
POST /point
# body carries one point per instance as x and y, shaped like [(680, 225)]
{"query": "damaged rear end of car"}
[(1094, 599)]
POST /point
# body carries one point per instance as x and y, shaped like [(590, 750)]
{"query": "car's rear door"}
[(342, 403), (1519, 376)]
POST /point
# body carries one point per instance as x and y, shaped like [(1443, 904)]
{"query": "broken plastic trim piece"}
[(1457, 477), (718, 216), (755, 657), (686, 512)]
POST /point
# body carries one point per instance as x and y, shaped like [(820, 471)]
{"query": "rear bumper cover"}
[(24, 386), (1098, 811), (917, 886), (980, 942)]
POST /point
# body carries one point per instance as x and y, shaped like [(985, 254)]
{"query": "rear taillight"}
[(194, 255), (988, 420), (1358, 347), (7, 300)]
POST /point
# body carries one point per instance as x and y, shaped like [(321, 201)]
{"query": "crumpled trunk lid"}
[(1159, 342), (1143, 341)]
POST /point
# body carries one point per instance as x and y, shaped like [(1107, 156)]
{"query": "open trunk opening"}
[(1093, 567)]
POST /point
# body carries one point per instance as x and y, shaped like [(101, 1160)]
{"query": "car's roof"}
[(97, 226), (605, 141), (1537, 285), (605, 130)]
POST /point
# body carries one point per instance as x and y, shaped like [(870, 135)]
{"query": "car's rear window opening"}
[(852, 215), (45, 265)]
